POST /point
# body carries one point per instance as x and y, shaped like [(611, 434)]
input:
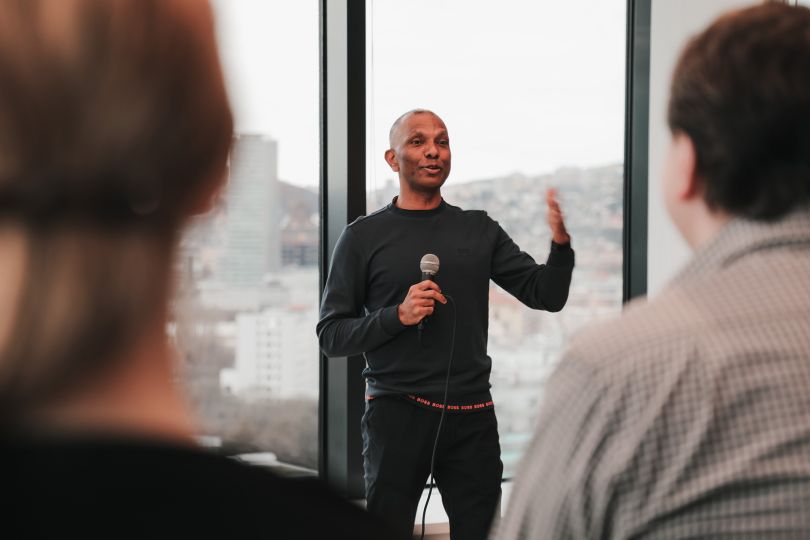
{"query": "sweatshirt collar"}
[(416, 213)]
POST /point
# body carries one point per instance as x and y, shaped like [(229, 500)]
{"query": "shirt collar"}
[(741, 237), (416, 213)]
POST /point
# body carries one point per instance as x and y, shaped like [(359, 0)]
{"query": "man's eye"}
[(444, 142), (416, 141)]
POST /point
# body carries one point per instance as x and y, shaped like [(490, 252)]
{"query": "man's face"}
[(420, 152)]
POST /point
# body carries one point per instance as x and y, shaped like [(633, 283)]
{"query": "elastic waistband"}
[(439, 406)]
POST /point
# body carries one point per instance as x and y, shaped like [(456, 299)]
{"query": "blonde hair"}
[(114, 123)]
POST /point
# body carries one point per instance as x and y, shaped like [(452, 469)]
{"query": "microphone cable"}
[(444, 410)]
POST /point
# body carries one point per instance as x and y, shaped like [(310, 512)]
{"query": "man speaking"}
[(377, 302)]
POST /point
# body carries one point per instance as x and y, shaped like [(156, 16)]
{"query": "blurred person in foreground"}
[(689, 417), (114, 130)]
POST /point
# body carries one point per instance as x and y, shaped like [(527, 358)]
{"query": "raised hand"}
[(555, 218)]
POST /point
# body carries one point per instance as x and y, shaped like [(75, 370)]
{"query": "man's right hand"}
[(419, 302)]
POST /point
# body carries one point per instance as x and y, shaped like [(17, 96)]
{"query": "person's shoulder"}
[(471, 216), (645, 332), (181, 488), (471, 213), (302, 507), (369, 220), (364, 230)]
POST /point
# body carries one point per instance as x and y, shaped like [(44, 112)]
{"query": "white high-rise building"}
[(276, 354), (253, 213)]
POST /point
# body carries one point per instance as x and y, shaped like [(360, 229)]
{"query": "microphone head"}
[(429, 264)]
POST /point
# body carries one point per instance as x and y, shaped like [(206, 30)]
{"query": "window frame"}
[(343, 198), (636, 149)]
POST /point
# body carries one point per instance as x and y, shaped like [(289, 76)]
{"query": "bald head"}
[(420, 152), (395, 135)]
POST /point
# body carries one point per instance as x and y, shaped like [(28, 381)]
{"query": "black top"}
[(376, 260), (101, 486)]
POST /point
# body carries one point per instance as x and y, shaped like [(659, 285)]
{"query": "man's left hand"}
[(555, 218)]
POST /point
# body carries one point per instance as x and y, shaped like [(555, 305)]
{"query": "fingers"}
[(557, 224), (420, 302), (554, 212), (551, 200), (551, 196), (555, 217), (422, 288), (428, 289), (432, 296), (428, 284)]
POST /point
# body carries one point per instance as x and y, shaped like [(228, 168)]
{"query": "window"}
[(533, 94), (247, 304)]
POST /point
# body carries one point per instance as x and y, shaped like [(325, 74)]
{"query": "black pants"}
[(397, 443)]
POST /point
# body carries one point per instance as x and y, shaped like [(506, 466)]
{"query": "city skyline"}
[(529, 104), (252, 350), (517, 106)]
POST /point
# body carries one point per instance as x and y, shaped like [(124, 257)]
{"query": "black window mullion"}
[(343, 198), (636, 162)]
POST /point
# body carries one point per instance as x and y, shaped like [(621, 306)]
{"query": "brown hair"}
[(741, 92), (114, 124)]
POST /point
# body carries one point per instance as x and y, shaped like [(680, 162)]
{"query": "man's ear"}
[(391, 159), (689, 184)]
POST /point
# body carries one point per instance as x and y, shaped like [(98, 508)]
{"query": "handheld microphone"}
[(429, 265)]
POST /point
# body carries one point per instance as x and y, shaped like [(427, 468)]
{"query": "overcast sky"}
[(523, 85)]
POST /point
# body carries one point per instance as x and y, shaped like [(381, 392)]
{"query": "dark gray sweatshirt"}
[(376, 260)]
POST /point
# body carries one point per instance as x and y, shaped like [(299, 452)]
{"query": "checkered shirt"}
[(689, 416)]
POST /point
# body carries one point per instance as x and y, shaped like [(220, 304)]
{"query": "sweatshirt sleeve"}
[(539, 286), (345, 327)]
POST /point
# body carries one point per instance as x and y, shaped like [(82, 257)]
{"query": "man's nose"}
[(431, 151)]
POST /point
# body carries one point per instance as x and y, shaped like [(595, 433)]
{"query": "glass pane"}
[(532, 93), (248, 299)]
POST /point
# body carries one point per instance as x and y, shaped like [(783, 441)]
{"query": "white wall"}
[(673, 22)]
